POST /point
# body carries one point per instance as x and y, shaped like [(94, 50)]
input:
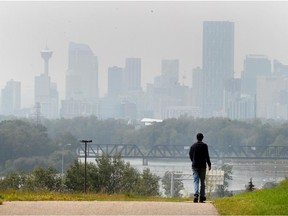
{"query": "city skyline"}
[(152, 31)]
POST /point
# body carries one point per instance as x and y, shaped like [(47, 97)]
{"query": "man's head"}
[(199, 136)]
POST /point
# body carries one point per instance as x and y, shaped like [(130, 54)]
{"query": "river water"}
[(261, 171)]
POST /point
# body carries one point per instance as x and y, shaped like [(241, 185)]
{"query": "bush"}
[(111, 175)]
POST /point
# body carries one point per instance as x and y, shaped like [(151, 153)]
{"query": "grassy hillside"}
[(272, 201)]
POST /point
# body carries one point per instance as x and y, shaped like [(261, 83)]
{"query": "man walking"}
[(199, 156)]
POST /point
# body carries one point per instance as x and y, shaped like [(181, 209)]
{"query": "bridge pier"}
[(145, 161)]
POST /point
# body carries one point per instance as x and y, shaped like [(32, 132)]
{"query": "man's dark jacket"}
[(199, 155)]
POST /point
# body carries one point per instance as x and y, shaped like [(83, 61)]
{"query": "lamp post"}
[(62, 165), (62, 161), (85, 173)]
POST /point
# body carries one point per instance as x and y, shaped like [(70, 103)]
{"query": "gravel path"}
[(106, 208)]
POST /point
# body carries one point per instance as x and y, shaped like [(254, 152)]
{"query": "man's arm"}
[(208, 159), (191, 153)]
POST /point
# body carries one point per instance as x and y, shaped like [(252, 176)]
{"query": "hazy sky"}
[(116, 30)]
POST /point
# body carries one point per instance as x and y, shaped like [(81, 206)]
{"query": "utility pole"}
[(62, 160), (172, 184), (85, 174)]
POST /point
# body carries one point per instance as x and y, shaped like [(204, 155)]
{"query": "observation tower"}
[(46, 55)]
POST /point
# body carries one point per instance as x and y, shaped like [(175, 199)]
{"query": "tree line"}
[(25, 145)]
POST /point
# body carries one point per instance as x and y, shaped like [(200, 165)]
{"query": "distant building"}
[(82, 93), (178, 111), (132, 75), (242, 108), (46, 93), (11, 98), (197, 91), (269, 97), (74, 108), (115, 81), (128, 110), (279, 69), (170, 72), (254, 66), (218, 64), (82, 73), (232, 93), (166, 90)]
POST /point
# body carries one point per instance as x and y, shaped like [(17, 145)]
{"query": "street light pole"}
[(62, 161), (62, 165), (85, 173)]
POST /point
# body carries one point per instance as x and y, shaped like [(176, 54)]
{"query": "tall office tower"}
[(132, 75), (217, 65), (170, 72), (115, 81), (254, 65), (82, 73), (11, 98), (46, 94)]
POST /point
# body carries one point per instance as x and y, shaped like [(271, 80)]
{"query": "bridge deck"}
[(182, 152)]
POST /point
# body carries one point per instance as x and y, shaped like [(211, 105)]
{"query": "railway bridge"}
[(182, 152)]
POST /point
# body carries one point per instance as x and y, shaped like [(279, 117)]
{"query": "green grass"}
[(55, 196), (272, 201)]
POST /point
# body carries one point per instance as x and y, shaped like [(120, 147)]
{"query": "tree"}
[(74, 178), (13, 180), (250, 187), (44, 179), (21, 139), (178, 184), (116, 176), (112, 175), (39, 179), (222, 190), (149, 184)]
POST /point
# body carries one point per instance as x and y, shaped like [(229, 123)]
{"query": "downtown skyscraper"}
[(82, 91), (82, 73), (132, 75), (217, 64)]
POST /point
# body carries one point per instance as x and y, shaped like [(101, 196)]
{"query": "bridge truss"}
[(182, 152)]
